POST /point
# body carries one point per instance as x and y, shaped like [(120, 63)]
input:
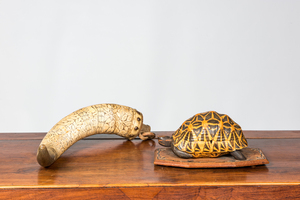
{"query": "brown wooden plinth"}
[(165, 156), (109, 167)]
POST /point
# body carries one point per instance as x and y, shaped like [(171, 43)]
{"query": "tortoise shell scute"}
[(209, 134)]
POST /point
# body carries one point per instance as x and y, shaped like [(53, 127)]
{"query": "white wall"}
[(168, 59)]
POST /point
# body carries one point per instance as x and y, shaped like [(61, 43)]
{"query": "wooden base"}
[(165, 156)]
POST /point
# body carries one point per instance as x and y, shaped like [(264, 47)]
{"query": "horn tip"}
[(44, 157)]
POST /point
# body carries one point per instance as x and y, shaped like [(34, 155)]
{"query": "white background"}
[(168, 59)]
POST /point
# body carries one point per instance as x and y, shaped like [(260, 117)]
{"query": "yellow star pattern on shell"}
[(209, 134)]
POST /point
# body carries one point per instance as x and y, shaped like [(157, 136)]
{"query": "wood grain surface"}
[(104, 167)]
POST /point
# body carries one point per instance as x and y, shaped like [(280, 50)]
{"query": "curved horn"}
[(97, 119)]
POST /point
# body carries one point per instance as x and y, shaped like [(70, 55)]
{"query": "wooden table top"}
[(108, 161)]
